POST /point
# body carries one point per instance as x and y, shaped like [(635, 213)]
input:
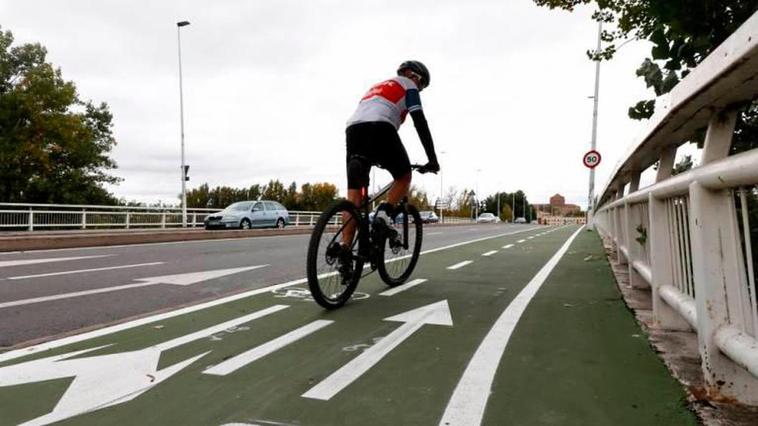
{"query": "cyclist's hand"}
[(430, 167)]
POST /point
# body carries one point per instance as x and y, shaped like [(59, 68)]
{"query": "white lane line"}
[(435, 233), (489, 253), (81, 271), (460, 265), (395, 290), (7, 263), (507, 246), (520, 241), (180, 279), (235, 363), (18, 353), (530, 237), (466, 406)]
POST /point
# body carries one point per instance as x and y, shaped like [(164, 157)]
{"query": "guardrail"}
[(688, 236), (30, 217)]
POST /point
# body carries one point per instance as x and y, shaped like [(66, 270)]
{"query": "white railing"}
[(688, 237), (31, 217)]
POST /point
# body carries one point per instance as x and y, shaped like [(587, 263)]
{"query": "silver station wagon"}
[(249, 214)]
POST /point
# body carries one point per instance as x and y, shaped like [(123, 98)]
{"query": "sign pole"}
[(591, 196)]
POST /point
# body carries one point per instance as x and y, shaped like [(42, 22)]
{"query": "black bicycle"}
[(336, 259)]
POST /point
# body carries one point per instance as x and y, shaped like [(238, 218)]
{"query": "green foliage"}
[(683, 165), (682, 33), (642, 235), (53, 146), (311, 197)]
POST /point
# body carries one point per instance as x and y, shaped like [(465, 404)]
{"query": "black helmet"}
[(418, 68)]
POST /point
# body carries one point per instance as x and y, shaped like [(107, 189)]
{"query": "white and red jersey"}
[(389, 101)]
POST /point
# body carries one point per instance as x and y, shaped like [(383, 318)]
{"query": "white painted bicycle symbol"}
[(305, 294)]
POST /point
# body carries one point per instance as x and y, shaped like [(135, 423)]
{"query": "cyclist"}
[(372, 139)]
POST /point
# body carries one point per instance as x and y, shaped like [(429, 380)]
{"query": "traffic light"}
[(186, 172)]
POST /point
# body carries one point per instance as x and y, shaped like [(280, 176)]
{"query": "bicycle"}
[(334, 269)]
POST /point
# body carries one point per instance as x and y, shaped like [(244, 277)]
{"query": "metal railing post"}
[(163, 219), (31, 219), (717, 271), (128, 218), (84, 219)]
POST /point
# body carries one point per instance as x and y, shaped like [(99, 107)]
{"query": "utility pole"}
[(498, 205), (595, 98), (179, 26)]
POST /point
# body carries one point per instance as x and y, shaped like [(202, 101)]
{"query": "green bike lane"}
[(558, 368)]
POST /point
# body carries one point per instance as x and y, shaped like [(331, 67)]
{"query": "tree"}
[(683, 165), (682, 33), (53, 146), (418, 198), (274, 191)]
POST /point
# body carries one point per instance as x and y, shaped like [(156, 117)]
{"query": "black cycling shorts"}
[(374, 143)]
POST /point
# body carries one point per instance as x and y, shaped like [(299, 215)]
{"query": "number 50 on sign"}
[(591, 159)]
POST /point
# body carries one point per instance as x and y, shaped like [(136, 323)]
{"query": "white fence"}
[(688, 237), (31, 217)]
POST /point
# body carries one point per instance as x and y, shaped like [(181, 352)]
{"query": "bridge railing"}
[(689, 236), (31, 217)]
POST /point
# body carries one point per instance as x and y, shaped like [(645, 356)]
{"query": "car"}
[(429, 216), (486, 218), (249, 214), (519, 220)]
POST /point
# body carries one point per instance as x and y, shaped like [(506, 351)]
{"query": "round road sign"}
[(591, 159)]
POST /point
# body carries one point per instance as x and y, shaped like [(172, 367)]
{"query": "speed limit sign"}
[(591, 159)]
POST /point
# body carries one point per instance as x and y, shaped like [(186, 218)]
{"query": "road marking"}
[(81, 271), (30, 350), (180, 279), (233, 364), (7, 263), (467, 404), (489, 253), (435, 233), (395, 290), (520, 241), (529, 238), (437, 313), (111, 379), (507, 246), (460, 265)]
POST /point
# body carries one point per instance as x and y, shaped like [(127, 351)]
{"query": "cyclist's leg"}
[(358, 165), (394, 158)]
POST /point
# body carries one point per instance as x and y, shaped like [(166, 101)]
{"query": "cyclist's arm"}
[(413, 102)]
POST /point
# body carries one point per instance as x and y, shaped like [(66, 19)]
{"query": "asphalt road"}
[(59, 294), (494, 328)]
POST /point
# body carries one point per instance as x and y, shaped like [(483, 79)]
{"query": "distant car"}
[(486, 218), (519, 220), (429, 216), (249, 214)]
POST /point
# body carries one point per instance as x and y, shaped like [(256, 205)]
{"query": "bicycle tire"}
[(328, 287), (402, 270)]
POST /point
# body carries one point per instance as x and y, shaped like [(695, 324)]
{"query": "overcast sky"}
[(269, 85)]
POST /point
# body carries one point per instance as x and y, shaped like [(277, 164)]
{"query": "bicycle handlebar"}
[(420, 168)]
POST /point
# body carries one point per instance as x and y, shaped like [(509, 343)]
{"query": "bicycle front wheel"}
[(333, 266), (401, 249)]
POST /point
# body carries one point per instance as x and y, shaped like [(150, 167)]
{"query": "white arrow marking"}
[(436, 313), (81, 271), (395, 290), (233, 364), (107, 380), (507, 246), (460, 265), (6, 263), (489, 253), (466, 406), (181, 279)]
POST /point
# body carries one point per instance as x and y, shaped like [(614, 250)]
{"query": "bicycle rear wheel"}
[(333, 270), (397, 262)]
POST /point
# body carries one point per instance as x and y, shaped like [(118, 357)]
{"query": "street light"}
[(179, 25)]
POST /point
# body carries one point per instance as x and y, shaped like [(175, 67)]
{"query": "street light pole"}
[(179, 25), (591, 196), (442, 219)]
